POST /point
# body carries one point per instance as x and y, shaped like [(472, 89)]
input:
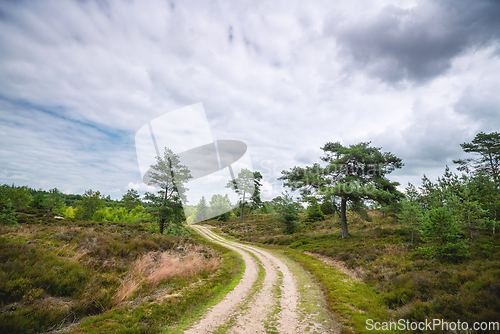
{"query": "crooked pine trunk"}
[(343, 218)]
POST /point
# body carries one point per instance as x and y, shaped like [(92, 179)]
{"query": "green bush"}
[(314, 213), (443, 236), (328, 208), (7, 215), (18, 196), (90, 203), (224, 217), (288, 214)]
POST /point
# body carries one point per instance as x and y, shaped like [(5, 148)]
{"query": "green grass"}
[(311, 307), (233, 268), (271, 323), (399, 280), (176, 313), (257, 285), (259, 227), (352, 302), (54, 272)]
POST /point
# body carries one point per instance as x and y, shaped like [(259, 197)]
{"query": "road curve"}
[(268, 298)]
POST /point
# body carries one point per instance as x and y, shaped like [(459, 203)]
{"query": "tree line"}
[(164, 208), (171, 176), (443, 215), (92, 205)]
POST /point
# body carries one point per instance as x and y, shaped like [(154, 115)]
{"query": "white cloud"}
[(80, 78), (142, 187)]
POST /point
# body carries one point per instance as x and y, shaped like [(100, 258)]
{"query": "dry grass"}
[(355, 275), (127, 288), (156, 267)]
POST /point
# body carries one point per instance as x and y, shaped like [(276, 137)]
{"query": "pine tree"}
[(443, 236), (202, 210), (412, 212), (169, 175), (288, 214), (469, 210), (131, 199), (54, 201), (314, 213), (488, 147), (220, 207), (91, 202), (244, 185), (353, 173)]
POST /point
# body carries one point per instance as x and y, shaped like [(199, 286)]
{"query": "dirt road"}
[(275, 295)]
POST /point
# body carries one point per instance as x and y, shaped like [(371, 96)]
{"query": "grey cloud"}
[(280, 86), (415, 44), (429, 142), (305, 157), (230, 34), (481, 106)]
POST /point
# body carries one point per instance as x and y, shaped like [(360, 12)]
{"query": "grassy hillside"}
[(379, 252), (104, 277)]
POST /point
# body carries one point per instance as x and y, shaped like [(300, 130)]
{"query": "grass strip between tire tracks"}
[(353, 303)]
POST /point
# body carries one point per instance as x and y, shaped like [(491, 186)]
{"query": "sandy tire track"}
[(252, 308), (220, 313), (254, 319), (287, 318)]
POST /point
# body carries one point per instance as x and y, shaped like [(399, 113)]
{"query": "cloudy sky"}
[(78, 79)]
